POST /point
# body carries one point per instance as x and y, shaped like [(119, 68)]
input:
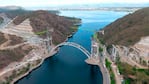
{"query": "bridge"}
[(73, 45), (93, 58), (49, 43)]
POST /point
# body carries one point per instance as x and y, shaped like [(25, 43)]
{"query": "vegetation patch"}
[(132, 75), (112, 76), (100, 49), (41, 33), (17, 74), (74, 28), (95, 36)]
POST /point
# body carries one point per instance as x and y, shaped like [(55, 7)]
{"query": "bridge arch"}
[(73, 45)]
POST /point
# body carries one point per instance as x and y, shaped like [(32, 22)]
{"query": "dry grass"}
[(9, 56), (133, 75), (2, 38), (129, 29), (43, 20), (15, 40)]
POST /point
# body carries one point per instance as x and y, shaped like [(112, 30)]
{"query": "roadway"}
[(97, 59), (103, 69)]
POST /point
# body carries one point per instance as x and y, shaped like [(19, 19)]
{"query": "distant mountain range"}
[(76, 6), (10, 7), (91, 6)]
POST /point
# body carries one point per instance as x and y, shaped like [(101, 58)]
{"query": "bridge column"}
[(94, 49), (49, 38)]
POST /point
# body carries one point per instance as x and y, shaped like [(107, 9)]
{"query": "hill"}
[(43, 21), (8, 54), (129, 29)]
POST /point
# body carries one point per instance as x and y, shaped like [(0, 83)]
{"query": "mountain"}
[(127, 45), (10, 8), (128, 30), (43, 21), (29, 25), (9, 54), (23, 39), (92, 6)]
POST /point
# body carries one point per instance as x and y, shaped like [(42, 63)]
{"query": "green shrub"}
[(100, 49)]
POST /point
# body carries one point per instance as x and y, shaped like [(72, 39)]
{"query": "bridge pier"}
[(94, 58), (92, 61)]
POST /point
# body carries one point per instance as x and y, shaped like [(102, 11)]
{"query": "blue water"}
[(68, 66)]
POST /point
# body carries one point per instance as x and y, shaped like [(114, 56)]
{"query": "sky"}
[(30, 3)]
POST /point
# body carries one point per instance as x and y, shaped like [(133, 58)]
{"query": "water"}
[(68, 66)]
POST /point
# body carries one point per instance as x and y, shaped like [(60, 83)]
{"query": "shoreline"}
[(104, 71), (38, 65), (43, 56), (32, 68), (35, 67)]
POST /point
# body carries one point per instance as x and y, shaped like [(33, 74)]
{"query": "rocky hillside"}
[(128, 38), (9, 52), (127, 41), (128, 30), (43, 21), (14, 37), (22, 40)]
